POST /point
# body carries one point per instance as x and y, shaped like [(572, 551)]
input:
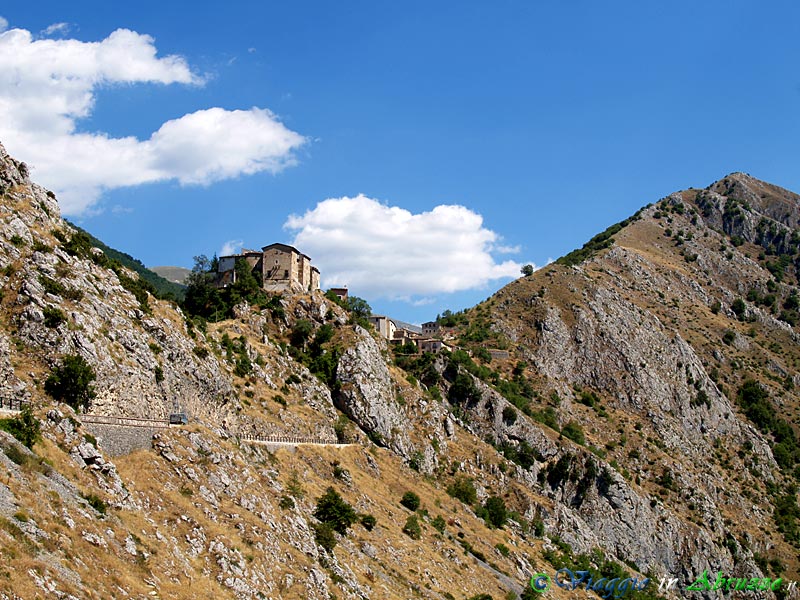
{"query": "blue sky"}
[(343, 126)]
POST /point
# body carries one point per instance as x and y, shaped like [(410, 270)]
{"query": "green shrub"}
[(301, 331), (412, 528), (333, 510), (700, 399), (538, 527), (463, 489), (53, 317), (463, 390), (73, 294), (243, 366), (325, 536), (739, 308), (286, 502), (496, 512), (523, 454), (597, 243), (25, 427), (574, 431), (439, 524), (410, 500), (369, 522), (96, 503), (40, 246), (502, 549), (51, 286), (71, 382)]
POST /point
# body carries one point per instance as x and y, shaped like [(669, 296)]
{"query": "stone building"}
[(383, 325), (340, 293), (430, 328), (282, 268)]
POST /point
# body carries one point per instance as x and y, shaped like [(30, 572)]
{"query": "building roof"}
[(285, 248), (407, 326)]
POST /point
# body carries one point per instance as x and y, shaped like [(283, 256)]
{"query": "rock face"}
[(368, 395), (66, 304), (646, 332)]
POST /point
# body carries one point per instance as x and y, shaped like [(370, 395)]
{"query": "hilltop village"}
[(285, 269)]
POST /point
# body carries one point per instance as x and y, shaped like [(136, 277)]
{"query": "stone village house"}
[(282, 268)]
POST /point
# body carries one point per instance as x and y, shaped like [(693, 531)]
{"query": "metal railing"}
[(291, 440), (125, 421), (13, 403)]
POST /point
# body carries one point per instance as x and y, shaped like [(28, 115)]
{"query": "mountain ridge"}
[(642, 426)]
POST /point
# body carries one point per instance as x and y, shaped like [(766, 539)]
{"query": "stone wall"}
[(116, 440)]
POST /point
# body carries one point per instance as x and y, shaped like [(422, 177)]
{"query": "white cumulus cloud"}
[(230, 247), (48, 85), (59, 28), (3, 24), (387, 251)]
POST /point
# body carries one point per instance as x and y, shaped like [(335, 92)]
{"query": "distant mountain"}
[(174, 274)]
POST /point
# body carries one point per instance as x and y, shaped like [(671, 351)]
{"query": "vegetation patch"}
[(71, 382)]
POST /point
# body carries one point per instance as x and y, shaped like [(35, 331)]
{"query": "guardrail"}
[(125, 421), (13, 404), (291, 440)]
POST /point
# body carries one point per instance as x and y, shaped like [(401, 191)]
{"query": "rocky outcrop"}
[(369, 397), (70, 305)]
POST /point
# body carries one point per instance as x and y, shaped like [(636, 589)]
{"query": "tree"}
[(463, 390), (24, 427), (410, 500), (333, 510), (246, 285), (301, 331), (496, 513), (412, 528), (202, 298), (71, 382), (358, 307), (463, 489), (527, 270)]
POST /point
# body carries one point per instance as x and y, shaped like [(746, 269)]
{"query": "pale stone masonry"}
[(282, 268)]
